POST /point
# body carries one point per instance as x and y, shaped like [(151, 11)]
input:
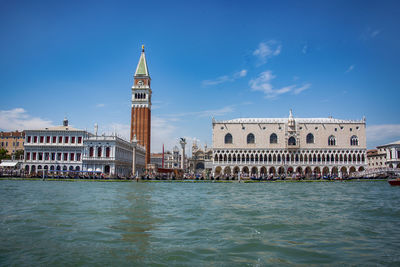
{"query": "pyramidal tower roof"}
[(141, 69)]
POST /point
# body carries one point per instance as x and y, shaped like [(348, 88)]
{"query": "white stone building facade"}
[(289, 146), (112, 156), (64, 148), (389, 156), (54, 149)]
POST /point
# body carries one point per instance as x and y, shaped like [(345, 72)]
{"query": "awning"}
[(8, 164)]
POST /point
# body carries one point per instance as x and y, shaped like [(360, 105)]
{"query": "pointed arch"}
[(273, 138), (228, 138), (310, 138), (251, 139)]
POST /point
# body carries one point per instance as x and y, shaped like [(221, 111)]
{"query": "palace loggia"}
[(306, 146)]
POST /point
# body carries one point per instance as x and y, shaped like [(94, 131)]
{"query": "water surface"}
[(199, 224)]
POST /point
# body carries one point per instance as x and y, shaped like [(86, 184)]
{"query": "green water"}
[(199, 224)]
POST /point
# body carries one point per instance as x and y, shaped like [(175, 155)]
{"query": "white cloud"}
[(163, 131), (263, 84), (350, 68), (226, 78), (19, 119), (382, 134), (302, 88), (304, 50), (215, 112), (100, 105), (267, 50), (370, 33)]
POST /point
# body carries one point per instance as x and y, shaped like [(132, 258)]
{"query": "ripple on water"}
[(85, 223)]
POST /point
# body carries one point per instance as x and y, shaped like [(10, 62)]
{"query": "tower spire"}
[(141, 69)]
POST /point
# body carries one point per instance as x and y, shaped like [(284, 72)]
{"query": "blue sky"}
[(225, 59)]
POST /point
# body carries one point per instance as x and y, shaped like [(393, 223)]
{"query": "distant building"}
[(171, 159), (289, 146), (112, 155), (12, 141), (376, 158), (201, 159), (54, 148), (385, 156)]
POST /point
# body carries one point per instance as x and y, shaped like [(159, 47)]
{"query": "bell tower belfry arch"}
[(141, 106)]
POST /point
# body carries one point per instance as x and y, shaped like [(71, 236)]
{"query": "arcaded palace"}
[(290, 146)]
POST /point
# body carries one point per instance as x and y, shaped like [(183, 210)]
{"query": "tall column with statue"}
[(182, 141)]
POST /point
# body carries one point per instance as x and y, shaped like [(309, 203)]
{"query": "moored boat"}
[(394, 181)]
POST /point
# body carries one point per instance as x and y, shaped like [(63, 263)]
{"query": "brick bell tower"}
[(141, 106)]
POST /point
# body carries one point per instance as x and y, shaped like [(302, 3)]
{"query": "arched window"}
[(108, 152), (99, 152), (310, 138), (292, 141), (354, 140), (91, 151), (250, 138), (228, 139), (331, 141), (273, 139)]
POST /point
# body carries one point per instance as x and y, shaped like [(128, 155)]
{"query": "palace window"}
[(60, 139), (28, 140), (331, 141), (47, 139), (35, 139), (91, 152), (228, 139), (273, 139), (250, 138), (66, 139), (310, 138), (99, 152), (79, 139), (292, 141), (41, 139), (54, 139), (78, 156), (28, 155), (73, 139), (354, 140), (107, 152)]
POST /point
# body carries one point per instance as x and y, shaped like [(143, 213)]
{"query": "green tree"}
[(3, 154), (18, 154)]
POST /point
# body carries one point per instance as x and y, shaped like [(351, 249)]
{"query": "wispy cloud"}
[(370, 33), (163, 131), (226, 78), (304, 50), (298, 90), (19, 119), (263, 84), (350, 68), (100, 105), (202, 113), (267, 50), (215, 112), (382, 134)]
